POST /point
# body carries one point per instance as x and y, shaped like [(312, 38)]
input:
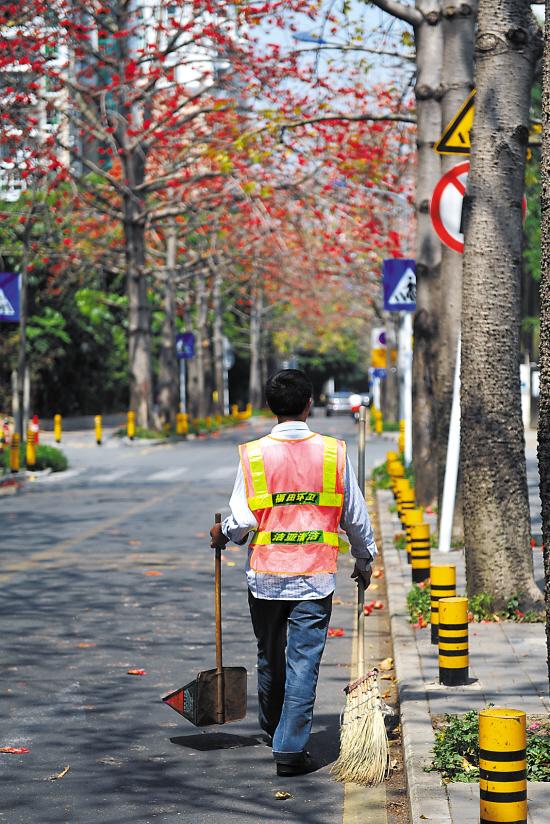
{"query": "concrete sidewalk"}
[(507, 667)]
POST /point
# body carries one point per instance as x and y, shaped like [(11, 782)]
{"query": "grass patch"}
[(47, 457), (456, 748)]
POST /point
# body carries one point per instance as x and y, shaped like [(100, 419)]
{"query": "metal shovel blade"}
[(198, 700)]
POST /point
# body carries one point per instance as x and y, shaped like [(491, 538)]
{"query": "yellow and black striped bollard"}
[(57, 428), (442, 585), (395, 470), (453, 641), (30, 450), (420, 552), (407, 503), (391, 456), (15, 459), (502, 766), (400, 486), (98, 426), (401, 437), (413, 518), (234, 410), (218, 419)]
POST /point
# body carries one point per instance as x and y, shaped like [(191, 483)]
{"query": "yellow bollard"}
[(378, 422), (420, 552), (406, 502), (453, 641), (395, 470), (182, 425), (391, 456), (442, 585), (30, 451), (131, 425), (15, 459), (248, 410), (218, 419), (234, 410), (208, 421), (413, 518), (502, 766), (400, 486), (57, 429), (98, 426)]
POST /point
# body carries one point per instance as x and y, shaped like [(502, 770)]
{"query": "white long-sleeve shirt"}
[(354, 521)]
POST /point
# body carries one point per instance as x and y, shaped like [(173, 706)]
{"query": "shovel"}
[(218, 695)]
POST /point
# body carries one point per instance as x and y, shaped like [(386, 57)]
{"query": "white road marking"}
[(168, 474), (222, 472), (109, 477), (64, 476)]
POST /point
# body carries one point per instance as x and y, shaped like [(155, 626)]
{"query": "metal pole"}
[(225, 391), (22, 359), (407, 385), (183, 397), (451, 470), (361, 448)]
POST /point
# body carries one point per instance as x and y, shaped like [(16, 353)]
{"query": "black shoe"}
[(305, 765), (267, 739)]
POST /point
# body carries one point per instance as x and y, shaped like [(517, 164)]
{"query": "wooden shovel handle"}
[(220, 703)]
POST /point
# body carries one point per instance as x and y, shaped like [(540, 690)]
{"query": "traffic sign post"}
[(455, 139), (185, 349)]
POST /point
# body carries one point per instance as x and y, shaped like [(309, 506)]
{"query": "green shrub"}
[(456, 749), (481, 607), (380, 477), (418, 602), (47, 457)]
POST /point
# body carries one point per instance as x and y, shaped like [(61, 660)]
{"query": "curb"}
[(428, 799)]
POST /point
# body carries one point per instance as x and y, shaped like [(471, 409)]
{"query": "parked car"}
[(338, 402)]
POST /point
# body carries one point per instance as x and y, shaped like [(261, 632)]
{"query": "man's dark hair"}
[(288, 392)]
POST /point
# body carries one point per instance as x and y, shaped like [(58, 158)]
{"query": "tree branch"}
[(397, 9)]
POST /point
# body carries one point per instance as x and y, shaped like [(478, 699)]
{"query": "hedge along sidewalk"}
[(506, 659)]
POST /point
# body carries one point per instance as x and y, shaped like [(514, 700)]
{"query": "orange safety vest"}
[(295, 488)]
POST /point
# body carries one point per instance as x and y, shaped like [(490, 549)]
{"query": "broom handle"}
[(360, 627), (220, 702)]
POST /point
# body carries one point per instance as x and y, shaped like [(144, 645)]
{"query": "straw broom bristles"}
[(364, 747)]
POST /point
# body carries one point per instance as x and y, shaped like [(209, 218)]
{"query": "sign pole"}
[(407, 384), (451, 470), (183, 398)]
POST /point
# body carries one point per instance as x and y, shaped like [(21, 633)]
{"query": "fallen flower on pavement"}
[(335, 632), (378, 605), (282, 795), (134, 543), (420, 624), (136, 672), (378, 573), (14, 750), (152, 572), (86, 644), (62, 774)]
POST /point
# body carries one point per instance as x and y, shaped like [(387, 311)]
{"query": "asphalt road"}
[(107, 568)]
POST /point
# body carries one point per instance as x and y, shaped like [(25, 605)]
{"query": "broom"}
[(364, 747)]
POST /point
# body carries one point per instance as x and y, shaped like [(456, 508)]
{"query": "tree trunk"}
[(217, 334), (496, 505), (429, 51), (255, 380), (458, 81), (139, 317), (544, 414), (168, 366), (201, 338)]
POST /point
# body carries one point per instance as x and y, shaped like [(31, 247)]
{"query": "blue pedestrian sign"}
[(379, 373), (10, 286), (399, 280), (185, 345)]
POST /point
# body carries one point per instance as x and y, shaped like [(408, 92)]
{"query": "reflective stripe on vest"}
[(312, 536)]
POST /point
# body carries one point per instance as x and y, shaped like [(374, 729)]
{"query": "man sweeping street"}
[(294, 490)]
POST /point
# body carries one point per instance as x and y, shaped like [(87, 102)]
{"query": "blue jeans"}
[(291, 638)]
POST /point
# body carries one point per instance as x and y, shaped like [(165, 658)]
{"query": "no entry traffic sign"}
[(446, 206)]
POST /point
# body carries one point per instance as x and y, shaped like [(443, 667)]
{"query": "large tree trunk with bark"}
[(544, 414), (217, 335), (457, 82), (139, 316), (168, 366), (496, 505), (429, 51), (197, 370)]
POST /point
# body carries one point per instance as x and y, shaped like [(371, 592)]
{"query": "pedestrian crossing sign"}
[(399, 281), (9, 297), (456, 137)]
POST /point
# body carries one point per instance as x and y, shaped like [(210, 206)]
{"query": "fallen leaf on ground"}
[(335, 632), (378, 573), (230, 563), (373, 587), (134, 543), (386, 664), (62, 774), (152, 572), (137, 672), (386, 677), (14, 750), (86, 644), (282, 795), (337, 601), (378, 605)]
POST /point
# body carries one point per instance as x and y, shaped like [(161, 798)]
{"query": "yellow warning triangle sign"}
[(456, 137)]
